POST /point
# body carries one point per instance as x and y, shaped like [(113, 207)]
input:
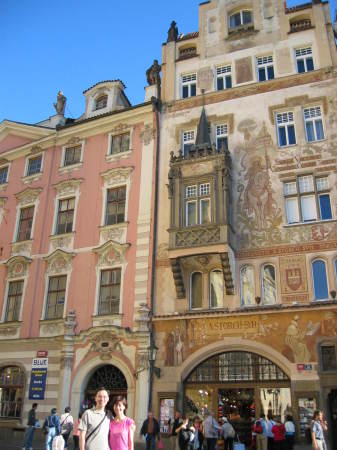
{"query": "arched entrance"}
[(109, 377), (12, 380), (239, 385)]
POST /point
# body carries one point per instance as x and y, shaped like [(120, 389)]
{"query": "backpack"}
[(258, 427)]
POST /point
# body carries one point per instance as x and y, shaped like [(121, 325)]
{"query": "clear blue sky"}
[(70, 45)]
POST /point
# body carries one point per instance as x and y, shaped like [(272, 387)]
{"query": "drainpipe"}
[(156, 105)]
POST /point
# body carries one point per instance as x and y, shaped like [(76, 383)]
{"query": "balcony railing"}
[(300, 25)]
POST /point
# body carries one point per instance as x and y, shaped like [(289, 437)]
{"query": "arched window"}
[(247, 285), (216, 289), (320, 280), (12, 380), (196, 290), (101, 102), (268, 285), (239, 18)]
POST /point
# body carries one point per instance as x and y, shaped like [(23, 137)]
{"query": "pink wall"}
[(11, 141), (82, 287)]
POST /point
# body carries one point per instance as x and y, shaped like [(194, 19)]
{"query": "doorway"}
[(332, 398)]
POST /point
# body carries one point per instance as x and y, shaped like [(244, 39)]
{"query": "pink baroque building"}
[(76, 202)]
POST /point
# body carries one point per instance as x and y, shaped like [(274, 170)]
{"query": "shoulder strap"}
[(95, 429), (66, 417)]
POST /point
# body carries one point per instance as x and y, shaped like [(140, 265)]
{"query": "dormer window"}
[(244, 17), (101, 102)]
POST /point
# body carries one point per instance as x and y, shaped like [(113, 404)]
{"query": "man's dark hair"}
[(53, 410), (102, 388), (34, 405)]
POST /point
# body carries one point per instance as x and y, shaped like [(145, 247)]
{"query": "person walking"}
[(32, 422), (228, 434), (211, 430), (269, 432), (279, 433), (318, 426), (175, 430), (95, 423), (52, 428), (197, 439), (185, 435), (260, 429), (67, 424), (290, 432), (76, 432), (122, 428), (150, 429)]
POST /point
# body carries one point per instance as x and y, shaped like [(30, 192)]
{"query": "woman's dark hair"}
[(289, 418), (316, 414), (67, 409), (117, 399)]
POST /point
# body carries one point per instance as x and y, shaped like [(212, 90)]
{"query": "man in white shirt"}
[(67, 424)]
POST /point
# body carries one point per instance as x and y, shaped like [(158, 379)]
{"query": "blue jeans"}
[(49, 437), (150, 442), (28, 439)]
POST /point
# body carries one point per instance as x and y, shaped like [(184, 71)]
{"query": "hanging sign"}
[(38, 379)]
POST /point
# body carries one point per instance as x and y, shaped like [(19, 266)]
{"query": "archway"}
[(239, 385), (109, 377), (12, 381)]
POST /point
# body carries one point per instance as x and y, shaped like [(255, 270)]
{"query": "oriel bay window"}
[(109, 295), (14, 299), (307, 199), (115, 208), (197, 204), (25, 223), (56, 297), (65, 215)]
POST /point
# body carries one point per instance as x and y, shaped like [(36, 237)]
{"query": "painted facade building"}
[(75, 254), (245, 311)]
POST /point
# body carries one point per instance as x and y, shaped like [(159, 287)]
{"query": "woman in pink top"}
[(122, 428)]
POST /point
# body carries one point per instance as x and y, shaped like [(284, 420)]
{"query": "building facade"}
[(76, 255), (245, 301)]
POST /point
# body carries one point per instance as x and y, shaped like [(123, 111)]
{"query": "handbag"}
[(160, 445), (58, 443), (238, 445), (46, 427)]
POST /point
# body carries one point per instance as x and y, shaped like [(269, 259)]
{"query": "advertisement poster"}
[(38, 379)]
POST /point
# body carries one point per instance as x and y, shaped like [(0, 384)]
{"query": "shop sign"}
[(38, 379), (42, 354), (301, 367)]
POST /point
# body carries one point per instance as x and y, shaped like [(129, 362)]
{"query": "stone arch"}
[(86, 370)]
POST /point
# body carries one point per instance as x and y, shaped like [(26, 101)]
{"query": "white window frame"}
[(223, 72), (197, 199), (110, 138), (263, 62), (301, 53), (187, 138), (64, 149), (59, 200), (241, 11), (315, 114), (3, 166), (221, 131), (190, 79), (20, 206), (27, 165), (281, 121), (62, 196), (99, 270)]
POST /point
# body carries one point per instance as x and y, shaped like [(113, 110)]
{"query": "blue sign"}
[(38, 379)]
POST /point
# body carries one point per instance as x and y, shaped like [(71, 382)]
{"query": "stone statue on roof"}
[(172, 32), (60, 104), (153, 74)]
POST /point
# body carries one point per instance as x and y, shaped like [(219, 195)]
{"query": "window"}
[(109, 294), (247, 285), (188, 141), (285, 129), (307, 198), (216, 289), (328, 354), (313, 124), (198, 204), (320, 280), (115, 210), (268, 285), (189, 85), (101, 102), (240, 18), (34, 165), (120, 143), (3, 174), (65, 215), (14, 299), (265, 68), (223, 77), (221, 137), (196, 290), (56, 297), (25, 223), (12, 381), (304, 60), (72, 155)]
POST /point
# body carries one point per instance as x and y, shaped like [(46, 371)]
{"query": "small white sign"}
[(40, 363)]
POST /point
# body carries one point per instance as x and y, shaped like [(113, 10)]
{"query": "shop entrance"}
[(240, 386), (333, 417), (108, 377)]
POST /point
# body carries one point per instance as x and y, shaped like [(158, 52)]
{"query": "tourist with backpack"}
[(260, 430), (228, 433), (51, 428)]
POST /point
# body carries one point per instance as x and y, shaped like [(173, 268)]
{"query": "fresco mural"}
[(294, 336)]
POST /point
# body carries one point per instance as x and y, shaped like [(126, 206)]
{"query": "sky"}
[(69, 45)]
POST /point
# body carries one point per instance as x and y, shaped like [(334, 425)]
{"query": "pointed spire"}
[(203, 138)]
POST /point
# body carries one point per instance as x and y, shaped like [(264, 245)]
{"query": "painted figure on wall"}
[(294, 339)]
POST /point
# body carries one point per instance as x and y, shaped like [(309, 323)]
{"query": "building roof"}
[(105, 81), (184, 37)]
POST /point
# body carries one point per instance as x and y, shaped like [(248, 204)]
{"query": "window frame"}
[(2, 167), (189, 143), (192, 308), (113, 136), (59, 212), (7, 297), (98, 98), (327, 345), (210, 289), (242, 24), (263, 287), (264, 62), (245, 266), (28, 160), (109, 269), (21, 220), (226, 74), (313, 120), (189, 84), (318, 259), (286, 125), (115, 188), (48, 292), (304, 57), (221, 135), (64, 152), (197, 199)]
